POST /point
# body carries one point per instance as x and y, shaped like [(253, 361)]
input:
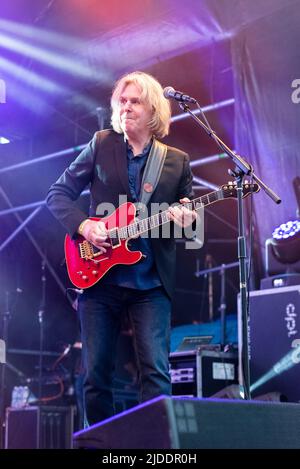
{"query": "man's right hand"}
[(96, 233)]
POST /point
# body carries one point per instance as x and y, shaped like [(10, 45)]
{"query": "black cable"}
[(250, 255)]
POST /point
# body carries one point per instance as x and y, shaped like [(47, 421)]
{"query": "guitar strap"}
[(152, 172)]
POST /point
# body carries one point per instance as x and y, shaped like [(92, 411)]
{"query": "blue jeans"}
[(101, 310)]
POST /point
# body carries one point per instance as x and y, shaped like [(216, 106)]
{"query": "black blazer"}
[(103, 166)]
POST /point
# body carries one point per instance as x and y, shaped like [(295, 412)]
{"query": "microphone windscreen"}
[(167, 92)]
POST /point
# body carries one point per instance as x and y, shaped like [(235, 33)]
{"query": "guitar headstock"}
[(230, 189)]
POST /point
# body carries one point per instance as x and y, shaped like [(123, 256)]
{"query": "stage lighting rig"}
[(286, 242), (282, 256)]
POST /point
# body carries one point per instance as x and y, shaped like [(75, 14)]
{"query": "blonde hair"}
[(152, 93)]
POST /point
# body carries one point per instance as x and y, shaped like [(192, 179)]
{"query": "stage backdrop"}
[(265, 60)]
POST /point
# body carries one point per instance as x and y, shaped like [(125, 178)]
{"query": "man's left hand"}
[(182, 216)]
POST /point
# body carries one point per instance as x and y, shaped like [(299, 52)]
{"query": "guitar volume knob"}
[(95, 272)]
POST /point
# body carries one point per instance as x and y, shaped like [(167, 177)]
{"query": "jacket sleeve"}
[(62, 195), (185, 188)]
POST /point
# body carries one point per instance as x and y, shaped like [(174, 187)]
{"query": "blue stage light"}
[(286, 230), (286, 242), (4, 140)]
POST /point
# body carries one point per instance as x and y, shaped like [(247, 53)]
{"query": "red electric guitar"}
[(87, 265)]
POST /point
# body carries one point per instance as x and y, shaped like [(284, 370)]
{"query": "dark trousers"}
[(101, 311)]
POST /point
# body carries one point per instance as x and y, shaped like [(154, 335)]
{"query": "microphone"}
[(169, 93)]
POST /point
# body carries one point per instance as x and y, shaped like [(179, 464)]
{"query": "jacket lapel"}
[(120, 161)]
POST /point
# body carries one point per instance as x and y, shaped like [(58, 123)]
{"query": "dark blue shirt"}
[(142, 275)]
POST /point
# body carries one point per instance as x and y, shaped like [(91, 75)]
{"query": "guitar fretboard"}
[(142, 226)]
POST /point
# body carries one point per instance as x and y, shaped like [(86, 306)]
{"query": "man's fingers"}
[(176, 214), (175, 210), (100, 229), (182, 216), (184, 200), (97, 234)]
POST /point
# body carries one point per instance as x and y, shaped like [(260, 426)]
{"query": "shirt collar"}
[(144, 152)]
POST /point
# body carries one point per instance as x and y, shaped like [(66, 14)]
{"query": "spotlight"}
[(4, 140), (286, 242), (296, 185), (282, 256)]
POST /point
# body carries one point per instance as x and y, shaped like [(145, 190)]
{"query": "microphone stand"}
[(242, 168), (222, 308), (210, 289), (41, 324)]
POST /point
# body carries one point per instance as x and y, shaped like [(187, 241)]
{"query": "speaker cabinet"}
[(276, 267), (39, 428), (274, 342), (173, 422), (203, 372)]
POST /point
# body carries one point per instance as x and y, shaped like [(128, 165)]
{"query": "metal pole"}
[(210, 107), (20, 228), (40, 159), (208, 159), (35, 244), (21, 208)]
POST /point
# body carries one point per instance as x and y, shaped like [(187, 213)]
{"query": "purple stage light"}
[(51, 58)]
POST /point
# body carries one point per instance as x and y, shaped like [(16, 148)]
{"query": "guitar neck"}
[(142, 226)]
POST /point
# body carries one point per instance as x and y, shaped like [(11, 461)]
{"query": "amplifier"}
[(45, 427), (203, 372), (274, 341)]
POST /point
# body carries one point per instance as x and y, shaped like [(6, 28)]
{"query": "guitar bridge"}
[(86, 250)]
